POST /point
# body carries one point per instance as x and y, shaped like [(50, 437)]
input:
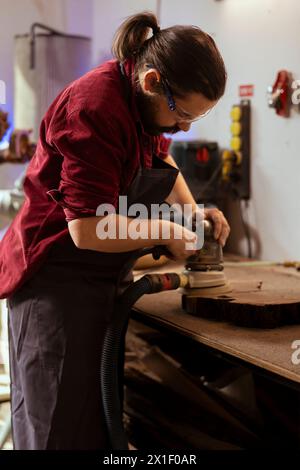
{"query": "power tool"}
[(205, 269)]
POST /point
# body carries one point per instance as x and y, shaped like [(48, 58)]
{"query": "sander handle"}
[(161, 250), (156, 251)]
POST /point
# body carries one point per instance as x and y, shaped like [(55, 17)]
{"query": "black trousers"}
[(57, 323)]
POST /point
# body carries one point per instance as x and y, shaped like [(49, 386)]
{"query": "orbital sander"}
[(205, 270)]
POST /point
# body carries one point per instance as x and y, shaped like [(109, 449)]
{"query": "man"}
[(101, 138)]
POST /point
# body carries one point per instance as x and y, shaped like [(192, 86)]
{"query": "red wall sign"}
[(246, 90)]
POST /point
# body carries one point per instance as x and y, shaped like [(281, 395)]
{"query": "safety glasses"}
[(183, 116)]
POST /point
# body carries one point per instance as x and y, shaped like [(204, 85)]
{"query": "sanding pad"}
[(208, 291), (206, 283)]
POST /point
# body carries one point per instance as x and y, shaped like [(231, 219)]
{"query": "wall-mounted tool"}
[(45, 62), (200, 163), (279, 94), (231, 165), (236, 160)]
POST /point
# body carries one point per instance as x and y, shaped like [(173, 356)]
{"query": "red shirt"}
[(88, 153)]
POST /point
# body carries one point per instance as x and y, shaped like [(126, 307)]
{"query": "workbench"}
[(271, 352)]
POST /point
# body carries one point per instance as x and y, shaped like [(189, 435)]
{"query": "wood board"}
[(261, 296), (271, 349)]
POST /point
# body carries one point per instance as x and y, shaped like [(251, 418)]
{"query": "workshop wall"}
[(107, 18), (257, 38)]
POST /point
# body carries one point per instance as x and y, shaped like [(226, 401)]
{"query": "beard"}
[(148, 110)]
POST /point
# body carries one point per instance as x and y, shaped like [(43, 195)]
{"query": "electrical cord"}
[(246, 230)]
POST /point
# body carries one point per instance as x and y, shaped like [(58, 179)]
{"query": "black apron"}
[(57, 323)]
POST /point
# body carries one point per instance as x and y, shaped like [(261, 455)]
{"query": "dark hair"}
[(187, 57)]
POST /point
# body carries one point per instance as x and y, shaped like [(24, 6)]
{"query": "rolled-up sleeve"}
[(92, 162)]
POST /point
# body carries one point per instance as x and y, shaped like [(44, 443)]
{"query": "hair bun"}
[(155, 29)]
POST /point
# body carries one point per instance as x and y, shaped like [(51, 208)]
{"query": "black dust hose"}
[(111, 350)]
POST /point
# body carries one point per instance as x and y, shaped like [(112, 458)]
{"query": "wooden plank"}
[(262, 296), (269, 349)]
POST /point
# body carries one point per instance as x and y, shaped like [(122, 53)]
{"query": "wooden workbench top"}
[(270, 349)]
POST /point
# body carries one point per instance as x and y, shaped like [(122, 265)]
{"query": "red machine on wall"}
[(279, 94)]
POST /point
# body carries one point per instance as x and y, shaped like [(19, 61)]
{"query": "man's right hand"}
[(182, 242)]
